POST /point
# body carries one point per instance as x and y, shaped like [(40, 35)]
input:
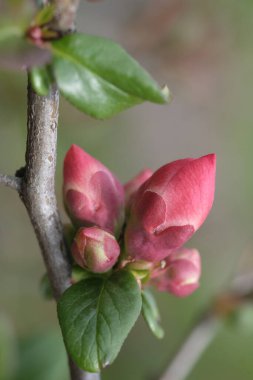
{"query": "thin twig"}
[(192, 349), (11, 181), (242, 285), (203, 333)]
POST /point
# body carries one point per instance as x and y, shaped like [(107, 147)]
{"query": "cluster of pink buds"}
[(143, 225)]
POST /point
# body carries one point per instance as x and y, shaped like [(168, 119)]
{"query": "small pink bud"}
[(95, 249), (35, 34), (92, 194), (134, 184), (169, 207), (182, 273)]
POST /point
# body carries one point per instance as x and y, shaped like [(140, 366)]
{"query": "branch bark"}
[(11, 181), (65, 14), (77, 373), (38, 194), (37, 187)]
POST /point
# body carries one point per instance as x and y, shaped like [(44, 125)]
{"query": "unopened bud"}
[(170, 207), (134, 184), (182, 273), (95, 249), (92, 194), (34, 34)]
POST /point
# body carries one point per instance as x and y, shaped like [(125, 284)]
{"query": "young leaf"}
[(45, 15), (40, 80), (96, 315), (97, 76), (79, 274), (151, 315)]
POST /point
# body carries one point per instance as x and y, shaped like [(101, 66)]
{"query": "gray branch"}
[(77, 373), (192, 349), (11, 181), (65, 14), (38, 187), (38, 194), (204, 332)]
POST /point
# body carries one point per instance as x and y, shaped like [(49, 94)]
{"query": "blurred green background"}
[(203, 51)]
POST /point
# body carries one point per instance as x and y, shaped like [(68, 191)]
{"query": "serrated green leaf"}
[(97, 76), (45, 15), (96, 316), (40, 80), (151, 314)]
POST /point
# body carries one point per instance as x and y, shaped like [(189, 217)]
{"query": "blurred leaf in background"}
[(43, 357), (8, 350)]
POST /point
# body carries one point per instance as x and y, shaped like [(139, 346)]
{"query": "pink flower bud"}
[(95, 249), (169, 207), (182, 273), (134, 184), (92, 194), (34, 33)]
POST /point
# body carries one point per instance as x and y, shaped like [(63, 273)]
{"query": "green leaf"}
[(45, 15), (40, 80), (43, 357), (96, 316), (151, 314), (97, 76)]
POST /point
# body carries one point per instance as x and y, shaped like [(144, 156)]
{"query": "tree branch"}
[(65, 14), (77, 373), (192, 349), (38, 194), (11, 181), (37, 189), (203, 333)]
